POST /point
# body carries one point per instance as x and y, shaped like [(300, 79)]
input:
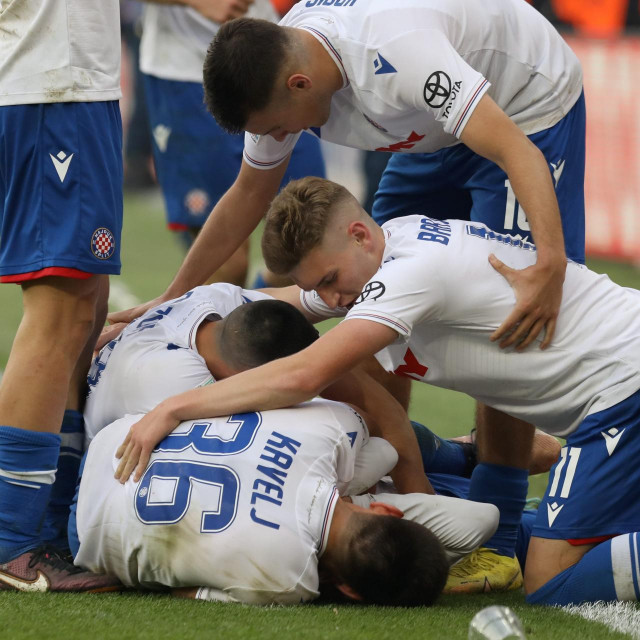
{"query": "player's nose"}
[(330, 298)]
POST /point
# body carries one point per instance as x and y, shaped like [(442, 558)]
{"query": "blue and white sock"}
[(608, 572), (27, 472), (54, 529), (440, 455), (506, 488)]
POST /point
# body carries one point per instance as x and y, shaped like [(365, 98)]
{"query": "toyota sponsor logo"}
[(373, 290), (437, 89)]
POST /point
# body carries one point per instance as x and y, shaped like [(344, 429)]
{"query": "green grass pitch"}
[(150, 257)]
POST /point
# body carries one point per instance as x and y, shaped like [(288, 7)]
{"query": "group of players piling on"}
[(483, 109)]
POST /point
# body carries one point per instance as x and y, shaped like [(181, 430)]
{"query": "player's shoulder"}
[(339, 416), (417, 239), (224, 295)]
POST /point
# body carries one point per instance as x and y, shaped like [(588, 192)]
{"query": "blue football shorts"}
[(593, 488), (196, 161), (457, 183), (60, 190)]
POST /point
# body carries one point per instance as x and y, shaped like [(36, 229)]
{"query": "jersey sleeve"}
[(314, 304), (376, 459), (263, 152), (353, 436), (403, 293), (431, 76), (461, 525)]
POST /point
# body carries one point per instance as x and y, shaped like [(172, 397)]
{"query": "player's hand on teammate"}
[(109, 333), (538, 291), (118, 320), (221, 10), (129, 315), (144, 435)]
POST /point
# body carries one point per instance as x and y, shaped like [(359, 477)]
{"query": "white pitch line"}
[(623, 617), (121, 297)]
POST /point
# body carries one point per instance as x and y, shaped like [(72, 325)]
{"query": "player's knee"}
[(546, 451)]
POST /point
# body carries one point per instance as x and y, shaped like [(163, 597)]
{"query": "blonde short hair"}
[(297, 220)]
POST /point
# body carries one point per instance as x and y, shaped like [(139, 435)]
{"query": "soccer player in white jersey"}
[(247, 508), (178, 346), (480, 102), (196, 161), (60, 223), (423, 295)]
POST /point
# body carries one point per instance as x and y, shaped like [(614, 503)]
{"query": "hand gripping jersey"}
[(59, 51), (155, 357), (437, 289), (240, 504), (414, 70)]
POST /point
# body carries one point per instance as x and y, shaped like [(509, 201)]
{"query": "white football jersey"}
[(240, 504), (155, 357), (59, 51), (437, 289), (460, 525), (175, 39), (414, 70)]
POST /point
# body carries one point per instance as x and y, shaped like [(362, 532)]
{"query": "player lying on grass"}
[(423, 295), (247, 508)]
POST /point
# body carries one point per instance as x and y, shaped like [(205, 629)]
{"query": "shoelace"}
[(475, 562), (51, 556)]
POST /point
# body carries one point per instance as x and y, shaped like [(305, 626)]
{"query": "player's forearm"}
[(533, 187), (389, 421), (271, 386), (231, 222)]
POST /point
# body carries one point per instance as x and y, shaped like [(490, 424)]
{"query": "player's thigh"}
[(588, 494), (547, 558), (418, 183), (196, 161), (57, 301), (61, 191)]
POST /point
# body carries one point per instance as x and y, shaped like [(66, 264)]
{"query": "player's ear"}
[(358, 231), (299, 81), (346, 590)]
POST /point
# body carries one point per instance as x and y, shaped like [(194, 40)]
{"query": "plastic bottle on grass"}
[(496, 623)]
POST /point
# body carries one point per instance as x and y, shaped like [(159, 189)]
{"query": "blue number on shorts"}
[(164, 493), (212, 444)]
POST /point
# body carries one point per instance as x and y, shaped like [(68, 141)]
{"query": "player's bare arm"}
[(232, 220), (538, 289), (387, 419), (280, 383)]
